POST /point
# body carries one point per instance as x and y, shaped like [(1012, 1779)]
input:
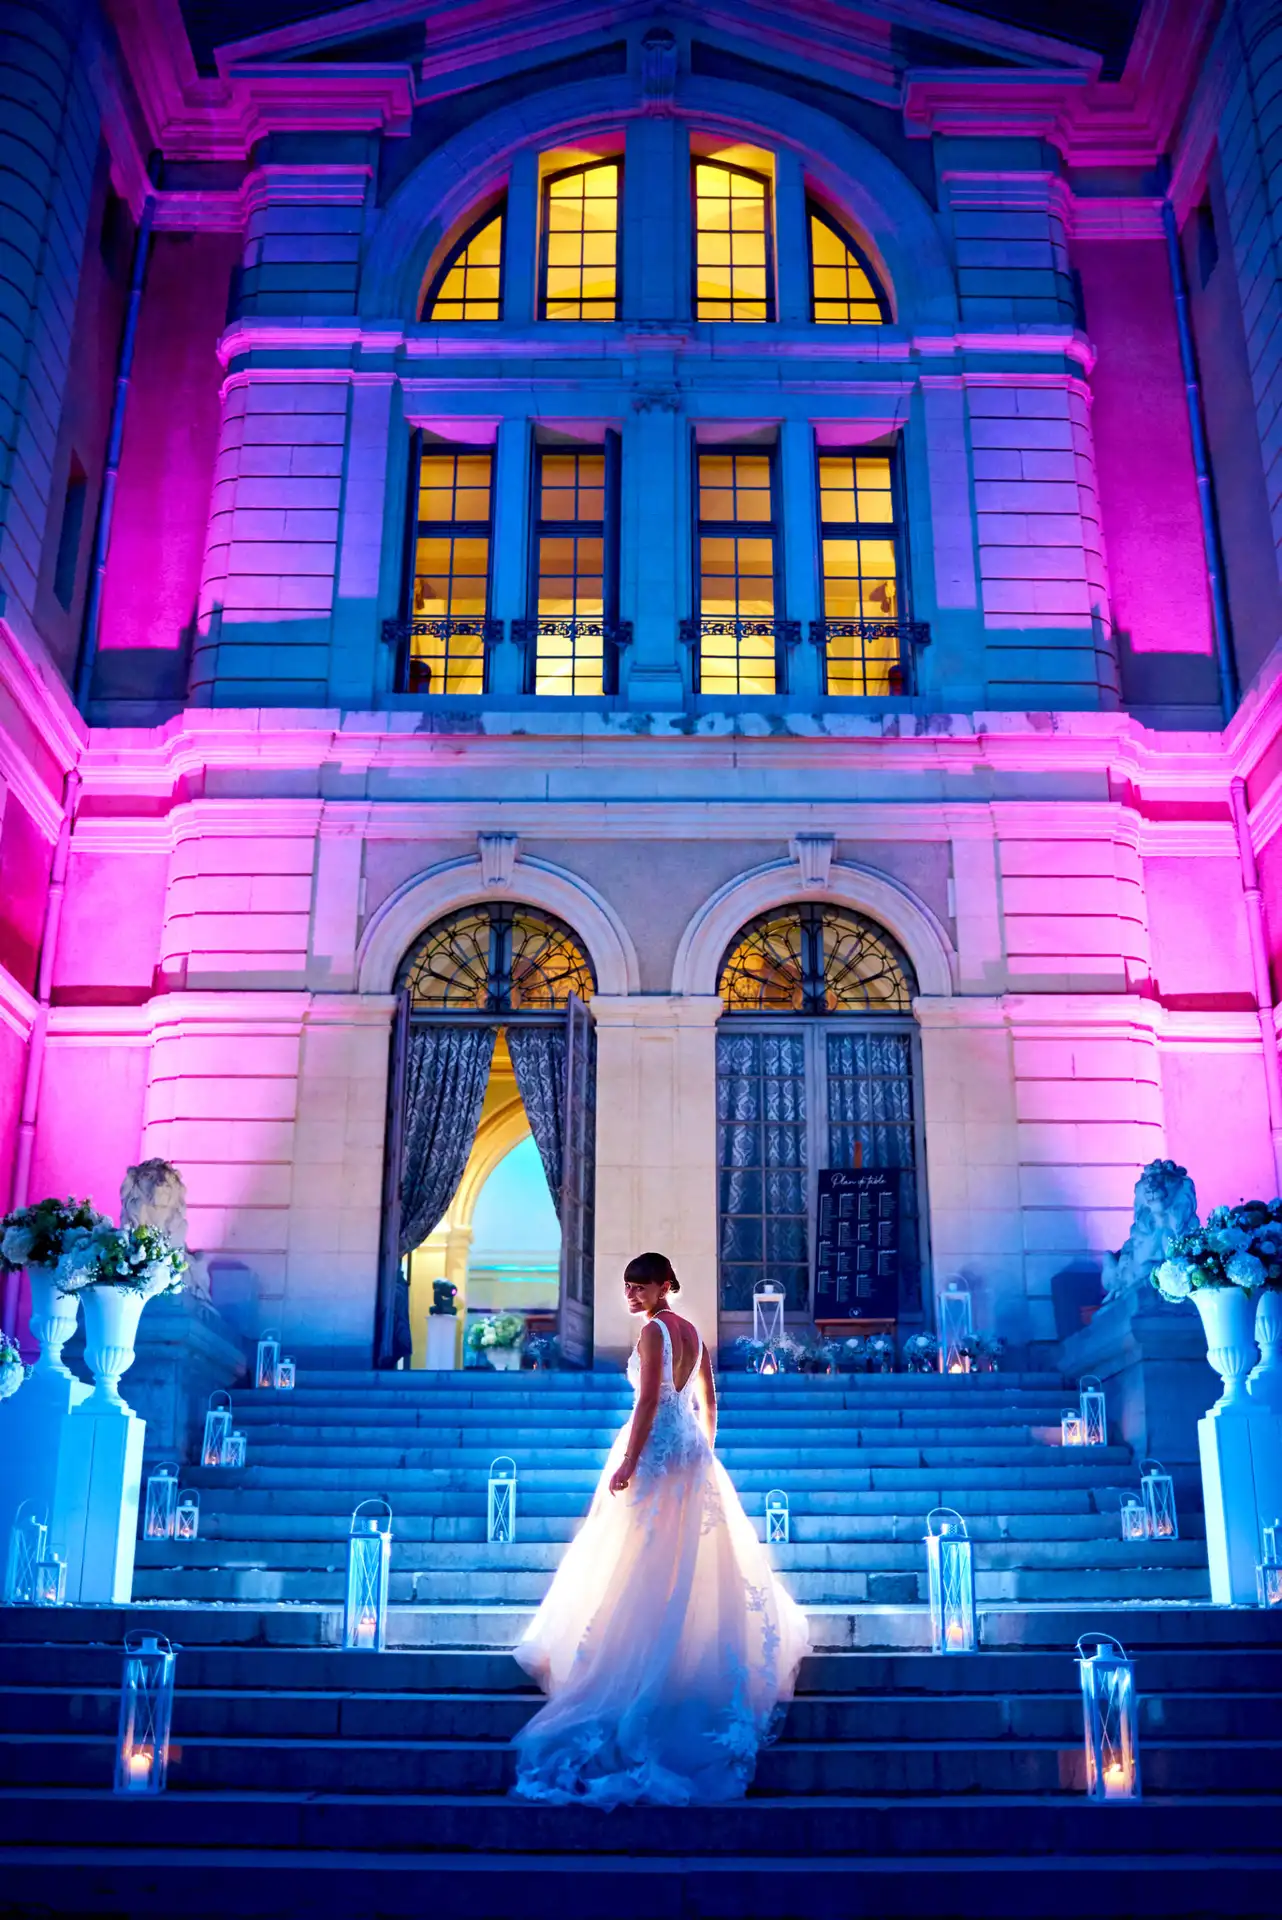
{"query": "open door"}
[(390, 1285), (578, 1186)]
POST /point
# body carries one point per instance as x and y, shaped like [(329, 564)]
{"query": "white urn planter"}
[(111, 1332), (1228, 1321), (1265, 1382), (53, 1321), (506, 1359)]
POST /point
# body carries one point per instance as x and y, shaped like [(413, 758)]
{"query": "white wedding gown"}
[(665, 1642)]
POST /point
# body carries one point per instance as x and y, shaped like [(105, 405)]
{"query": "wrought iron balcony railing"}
[(438, 653), (869, 657), (739, 654), (572, 653)]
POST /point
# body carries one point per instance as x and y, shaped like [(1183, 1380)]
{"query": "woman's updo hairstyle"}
[(651, 1270)]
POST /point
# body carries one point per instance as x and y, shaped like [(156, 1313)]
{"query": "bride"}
[(665, 1642)]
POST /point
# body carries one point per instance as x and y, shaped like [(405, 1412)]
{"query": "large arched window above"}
[(579, 267), (844, 290), (815, 959), (497, 958), (733, 251), (469, 284)]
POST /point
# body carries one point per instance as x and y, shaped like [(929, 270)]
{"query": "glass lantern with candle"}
[(234, 1449), (187, 1515), (162, 1499), (369, 1566), (1134, 1519), (778, 1518), (146, 1710), (51, 1580), (217, 1428), (769, 1364), (27, 1538), (1091, 1407), (767, 1313), (266, 1358), (1268, 1574), (1070, 1427), (286, 1375), (500, 1505), (951, 1582), (956, 1327), (1158, 1490), (1110, 1716)]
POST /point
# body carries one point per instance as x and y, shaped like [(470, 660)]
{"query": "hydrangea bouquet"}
[(38, 1236), (1238, 1247), (921, 1352), (140, 1259), (12, 1370), (500, 1330)]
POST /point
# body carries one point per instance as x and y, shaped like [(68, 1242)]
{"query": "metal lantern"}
[(1070, 1427), (51, 1580), (956, 1327), (26, 1549), (1134, 1518), (217, 1428), (952, 1582), (1110, 1715), (1269, 1543), (1268, 1574), (1158, 1490), (778, 1519), (146, 1709), (234, 1450), (369, 1565), (767, 1313), (500, 1511), (162, 1499), (266, 1359), (768, 1362), (187, 1515), (1091, 1406), (286, 1376)]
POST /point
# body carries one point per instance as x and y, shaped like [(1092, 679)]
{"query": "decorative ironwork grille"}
[(497, 958), (815, 959)]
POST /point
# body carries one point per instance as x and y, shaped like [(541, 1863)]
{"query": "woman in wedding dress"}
[(665, 1643)]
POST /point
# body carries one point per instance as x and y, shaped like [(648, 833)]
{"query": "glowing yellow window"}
[(737, 633), (569, 645), (859, 537), (843, 291), (733, 268), (581, 243), (451, 583), (470, 284)]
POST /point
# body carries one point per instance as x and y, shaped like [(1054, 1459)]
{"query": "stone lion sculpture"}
[(1165, 1204), (154, 1194)]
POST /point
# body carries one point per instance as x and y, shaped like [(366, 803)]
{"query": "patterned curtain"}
[(761, 1156), (445, 1079), (538, 1061)]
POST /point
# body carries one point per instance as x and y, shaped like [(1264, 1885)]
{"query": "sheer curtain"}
[(538, 1061)]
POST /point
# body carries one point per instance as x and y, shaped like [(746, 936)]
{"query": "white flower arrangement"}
[(500, 1330), (1238, 1247), (37, 1236), (140, 1259), (12, 1370)]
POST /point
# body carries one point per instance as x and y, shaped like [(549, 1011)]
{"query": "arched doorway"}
[(489, 974), (817, 1073)]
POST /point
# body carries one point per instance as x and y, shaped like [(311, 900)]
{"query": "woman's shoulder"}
[(678, 1326)]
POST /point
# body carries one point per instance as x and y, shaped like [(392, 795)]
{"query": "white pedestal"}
[(31, 1427), (1241, 1452), (99, 1479), (442, 1337)]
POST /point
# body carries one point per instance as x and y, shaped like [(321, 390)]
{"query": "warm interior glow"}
[(581, 243), (860, 569), (731, 243), (571, 583), (471, 287), (451, 568), (736, 571), (841, 293)]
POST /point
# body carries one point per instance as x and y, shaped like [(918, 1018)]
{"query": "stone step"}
[(362, 1480), (496, 1436), (226, 1495), (549, 1453), (548, 1383)]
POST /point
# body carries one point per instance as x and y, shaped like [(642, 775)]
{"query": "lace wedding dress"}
[(665, 1642)]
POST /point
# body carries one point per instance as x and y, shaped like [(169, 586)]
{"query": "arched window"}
[(843, 287), (469, 286), (579, 269), (497, 958), (815, 959), (733, 263)]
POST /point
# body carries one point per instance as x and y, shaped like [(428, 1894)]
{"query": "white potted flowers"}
[(12, 1371), (115, 1271), (36, 1237), (499, 1339), (1230, 1269)]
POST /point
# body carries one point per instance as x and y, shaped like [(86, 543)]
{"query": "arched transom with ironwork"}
[(497, 958), (815, 958)]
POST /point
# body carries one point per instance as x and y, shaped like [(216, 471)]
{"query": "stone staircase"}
[(862, 1458), (307, 1781)]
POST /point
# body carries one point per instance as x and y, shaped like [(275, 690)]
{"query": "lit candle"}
[(954, 1638), (365, 1630), (140, 1759), (1114, 1780)]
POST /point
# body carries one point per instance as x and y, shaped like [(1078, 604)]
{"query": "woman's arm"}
[(650, 1349), (708, 1397)]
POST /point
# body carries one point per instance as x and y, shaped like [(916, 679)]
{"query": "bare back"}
[(685, 1347)]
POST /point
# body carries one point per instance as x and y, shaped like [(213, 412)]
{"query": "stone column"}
[(801, 597), (655, 515), (656, 1182)]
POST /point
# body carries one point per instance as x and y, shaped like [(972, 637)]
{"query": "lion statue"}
[(1165, 1204), (154, 1194)]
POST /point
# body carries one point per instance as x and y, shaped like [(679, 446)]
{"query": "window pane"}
[(469, 290), (581, 239), (732, 239), (841, 292)]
